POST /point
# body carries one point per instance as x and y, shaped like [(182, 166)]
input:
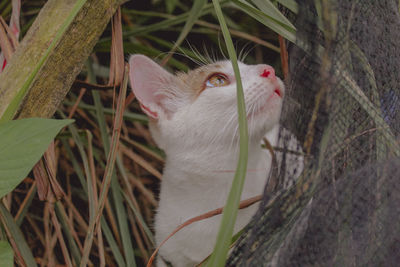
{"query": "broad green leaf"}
[(6, 254), (218, 257), (22, 143)]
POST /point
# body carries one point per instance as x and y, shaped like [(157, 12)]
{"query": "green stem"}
[(218, 257)]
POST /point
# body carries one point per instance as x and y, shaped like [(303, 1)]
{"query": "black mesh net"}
[(343, 106)]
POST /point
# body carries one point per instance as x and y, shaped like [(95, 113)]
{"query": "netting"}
[(343, 106)]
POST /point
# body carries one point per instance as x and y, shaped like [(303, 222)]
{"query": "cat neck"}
[(219, 158)]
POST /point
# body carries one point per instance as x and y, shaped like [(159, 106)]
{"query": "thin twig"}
[(108, 170), (60, 237), (284, 57), (243, 204), (25, 201)]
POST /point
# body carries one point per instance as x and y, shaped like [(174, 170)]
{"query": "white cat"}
[(193, 117)]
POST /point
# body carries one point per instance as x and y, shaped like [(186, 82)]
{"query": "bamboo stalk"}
[(64, 61)]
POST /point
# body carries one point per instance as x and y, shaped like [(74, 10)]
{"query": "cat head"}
[(200, 107)]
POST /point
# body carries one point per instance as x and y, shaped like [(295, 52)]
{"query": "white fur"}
[(200, 140)]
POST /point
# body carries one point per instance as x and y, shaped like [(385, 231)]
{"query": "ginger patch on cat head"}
[(195, 80)]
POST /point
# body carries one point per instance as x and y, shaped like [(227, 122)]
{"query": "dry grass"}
[(57, 207)]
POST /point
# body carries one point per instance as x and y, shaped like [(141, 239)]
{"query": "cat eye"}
[(217, 80)]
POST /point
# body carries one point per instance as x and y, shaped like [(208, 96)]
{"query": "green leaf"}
[(6, 254), (270, 10), (218, 257), (286, 30), (170, 5), (78, 170), (16, 234), (140, 219), (234, 239), (194, 14), (63, 218), (290, 4), (115, 187), (22, 143), (165, 24)]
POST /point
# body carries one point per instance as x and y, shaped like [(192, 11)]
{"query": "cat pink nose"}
[(268, 72)]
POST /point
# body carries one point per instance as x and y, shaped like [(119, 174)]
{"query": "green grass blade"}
[(134, 48), (165, 24), (285, 30), (233, 240), (14, 104), (75, 164), (122, 222), (17, 235), (115, 187), (194, 14), (90, 185), (108, 172), (112, 243), (104, 225), (130, 116), (6, 7), (26, 207), (218, 257), (170, 5), (374, 95), (62, 216), (290, 4), (357, 93), (140, 219), (270, 9)]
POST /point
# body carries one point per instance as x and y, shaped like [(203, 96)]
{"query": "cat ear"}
[(147, 78)]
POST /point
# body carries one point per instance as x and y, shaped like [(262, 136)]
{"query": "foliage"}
[(83, 150), (22, 143)]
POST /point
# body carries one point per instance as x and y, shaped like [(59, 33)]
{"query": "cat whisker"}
[(214, 55), (210, 58), (240, 55), (217, 138), (183, 54), (205, 57), (243, 53), (199, 56), (220, 47)]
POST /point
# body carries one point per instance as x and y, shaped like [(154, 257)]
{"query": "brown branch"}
[(284, 58), (55, 77), (78, 84)]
